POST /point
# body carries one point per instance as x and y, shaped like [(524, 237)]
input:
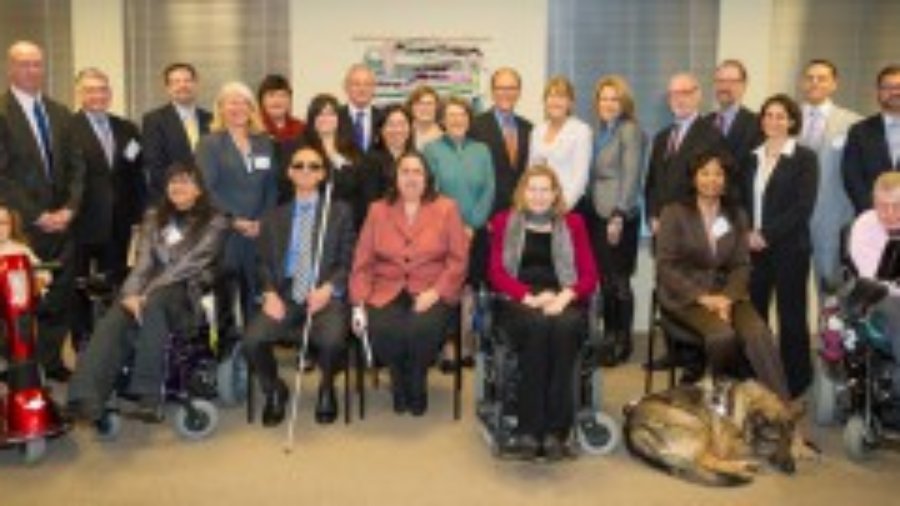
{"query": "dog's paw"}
[(806, 450)]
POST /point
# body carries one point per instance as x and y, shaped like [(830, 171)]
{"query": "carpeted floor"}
[(399, 460)]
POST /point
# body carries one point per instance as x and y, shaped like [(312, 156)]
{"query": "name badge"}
[(720, 227), (171, 235), (838, 142), (132, 150), (262, 163)]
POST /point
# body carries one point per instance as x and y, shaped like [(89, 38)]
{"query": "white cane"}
[(304, 343)]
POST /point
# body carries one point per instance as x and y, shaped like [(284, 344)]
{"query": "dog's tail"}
[(646, 444)]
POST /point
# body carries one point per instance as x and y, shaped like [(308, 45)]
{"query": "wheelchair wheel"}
[(197, 419), (232, 379), (857, 439), (597, 433), (33, 451), (825, 395), (109, 426)]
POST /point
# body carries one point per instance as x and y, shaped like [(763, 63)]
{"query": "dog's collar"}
[(722, 402)]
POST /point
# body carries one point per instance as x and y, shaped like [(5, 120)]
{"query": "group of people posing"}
[(380, 222)]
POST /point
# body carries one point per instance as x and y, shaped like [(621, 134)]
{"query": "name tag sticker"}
[(171, 235), (262, 163), (720, 227), (839, 141), (132, 150)]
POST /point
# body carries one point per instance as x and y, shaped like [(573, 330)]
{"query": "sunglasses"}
[(310, 166)]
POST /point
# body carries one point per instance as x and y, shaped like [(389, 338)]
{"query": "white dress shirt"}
[(568, 154)]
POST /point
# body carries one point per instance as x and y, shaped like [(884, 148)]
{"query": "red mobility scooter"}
[(28, 415)]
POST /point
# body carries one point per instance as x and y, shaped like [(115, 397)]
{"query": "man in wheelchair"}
[(178, 245), (874, 249)]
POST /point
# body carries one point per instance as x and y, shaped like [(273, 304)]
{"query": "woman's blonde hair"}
[(620, 85), (242, 90), (887, 182), (559, 203), (15, 224)]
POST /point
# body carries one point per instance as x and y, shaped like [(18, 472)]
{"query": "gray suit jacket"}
[(617, 171), (833, 209), (687, 268), (159, 265)]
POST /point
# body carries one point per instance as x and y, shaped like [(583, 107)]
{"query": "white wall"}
[(745, 33), (98, 41), (323, 47)]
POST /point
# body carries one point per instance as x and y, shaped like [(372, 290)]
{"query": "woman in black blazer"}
[(781, 178)]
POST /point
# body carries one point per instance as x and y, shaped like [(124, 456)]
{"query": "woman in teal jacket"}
[(464, 172)]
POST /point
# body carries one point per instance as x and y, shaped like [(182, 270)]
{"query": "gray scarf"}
[(561, 244)]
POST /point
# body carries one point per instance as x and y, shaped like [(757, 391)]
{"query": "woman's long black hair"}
[(202, 211)]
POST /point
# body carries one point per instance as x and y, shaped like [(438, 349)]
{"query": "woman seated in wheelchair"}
[(408, 272), (541, 261), (874, 247), (703, 266), (178, 244)]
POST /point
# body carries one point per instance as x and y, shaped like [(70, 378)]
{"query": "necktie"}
[(190, 127), (511, 139), (893, 138), (674, 140), (303, 268), (359, 130), (720, 123), (40, 117), (106, 138), (816, 128)]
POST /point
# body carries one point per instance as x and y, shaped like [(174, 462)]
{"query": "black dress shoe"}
[(556, 448), (417, 404), (446, 365), (274, 408), (150, 409), (58, 373), (326, 406), (520, 446), (83, 410), (467, 362)]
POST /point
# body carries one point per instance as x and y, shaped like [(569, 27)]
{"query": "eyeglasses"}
[(310, 166)]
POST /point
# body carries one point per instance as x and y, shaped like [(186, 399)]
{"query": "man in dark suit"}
[(674, 147), (873, 145), (738, 125), (43, 181), (295, 289), (359, 119), (505, 133), (171, 132), (114, 188)]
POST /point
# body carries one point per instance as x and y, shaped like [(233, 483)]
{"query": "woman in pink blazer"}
[(408, 271)]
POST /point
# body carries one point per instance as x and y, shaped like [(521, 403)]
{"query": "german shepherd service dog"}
[(715, 434)]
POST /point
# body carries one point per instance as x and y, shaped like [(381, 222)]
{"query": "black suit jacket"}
[(486, 129), (744, 134), (788, 199), (23, 180), (113, 195), (345, 126), (866, 156), (337, 248), (166, 142), (668, 174)]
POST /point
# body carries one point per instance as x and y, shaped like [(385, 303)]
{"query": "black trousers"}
[(108, 258), (408, 342), (236, 281), (728, 344), (54, 312), (118, 336), (617, 264), (547, 348), (328, 335), (786, 272)]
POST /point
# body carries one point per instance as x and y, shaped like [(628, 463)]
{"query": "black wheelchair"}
[(853, 381), (496, 372), (197, 372)]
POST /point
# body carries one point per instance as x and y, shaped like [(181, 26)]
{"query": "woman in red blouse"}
[(541, 259)]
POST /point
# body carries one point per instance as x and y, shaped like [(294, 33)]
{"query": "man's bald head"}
[(25, 66)]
